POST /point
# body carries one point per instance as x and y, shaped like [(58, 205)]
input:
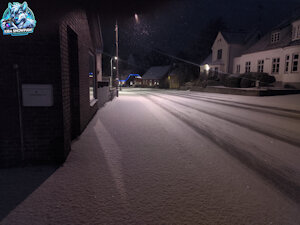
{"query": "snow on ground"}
[(144, 160)]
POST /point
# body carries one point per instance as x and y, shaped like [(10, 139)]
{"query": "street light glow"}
[(136, 17), (115, 57), (207, 67)]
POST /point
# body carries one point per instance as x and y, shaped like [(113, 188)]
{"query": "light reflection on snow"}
[(113, 156)]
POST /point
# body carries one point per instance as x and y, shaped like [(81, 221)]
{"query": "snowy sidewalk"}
[(137, 164)]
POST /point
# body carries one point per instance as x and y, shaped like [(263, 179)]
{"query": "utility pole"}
[(117, 52)]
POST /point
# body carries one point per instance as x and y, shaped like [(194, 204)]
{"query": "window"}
[(296, 32), (275, 65), (216, 71), (238, 68), (275, 37), (287, 62), (92, 76), (295, 62), (219, 54), (260, 66), (248, 67)]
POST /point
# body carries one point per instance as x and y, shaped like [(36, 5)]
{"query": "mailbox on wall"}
[(37, 95)]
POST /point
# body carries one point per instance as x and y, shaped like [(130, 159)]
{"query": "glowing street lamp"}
[(136, 17), (206, 67)]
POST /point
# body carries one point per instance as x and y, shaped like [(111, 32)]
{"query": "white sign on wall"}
[(37, 95)]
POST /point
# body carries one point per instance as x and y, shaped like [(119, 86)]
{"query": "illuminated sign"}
[(18, 20), (131, 75)]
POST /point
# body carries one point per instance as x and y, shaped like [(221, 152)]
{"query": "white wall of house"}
[(235, 50), (223, 63), (267, 56)]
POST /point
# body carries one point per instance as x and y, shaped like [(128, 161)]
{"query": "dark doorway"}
[(74, 83)]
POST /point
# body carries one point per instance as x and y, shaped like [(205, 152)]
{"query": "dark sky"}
[(171, 25), (174, 25)]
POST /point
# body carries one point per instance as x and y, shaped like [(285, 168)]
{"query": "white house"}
[(276, 53), (226, 47)]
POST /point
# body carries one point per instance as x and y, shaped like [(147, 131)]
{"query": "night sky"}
[(174, 26), (169, 25)]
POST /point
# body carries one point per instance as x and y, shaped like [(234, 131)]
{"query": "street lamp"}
[(117, 52), (136, 17), (117, 47)]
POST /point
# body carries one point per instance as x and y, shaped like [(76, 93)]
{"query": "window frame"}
[(219, 54), (293, 61), (260, 65), (238, 68), (275, 37), (248, 67), (275, 65), (287, 63)]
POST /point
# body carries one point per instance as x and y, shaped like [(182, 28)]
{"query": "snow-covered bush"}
[(249, 79)]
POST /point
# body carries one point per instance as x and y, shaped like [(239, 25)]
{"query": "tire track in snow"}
[(271, 174), (239, 103), (281, 137), (247, 106)]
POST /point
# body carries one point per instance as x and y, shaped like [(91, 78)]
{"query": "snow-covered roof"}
[(156, 72)]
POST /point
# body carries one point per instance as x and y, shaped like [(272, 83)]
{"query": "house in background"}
[(226, 47), (156, 76), (276, 53), (48, 85)]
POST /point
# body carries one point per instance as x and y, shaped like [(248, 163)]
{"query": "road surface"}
[(178, 157)]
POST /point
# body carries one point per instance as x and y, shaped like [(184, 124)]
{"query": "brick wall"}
[(43, 58), (77, 21), (37, 56)]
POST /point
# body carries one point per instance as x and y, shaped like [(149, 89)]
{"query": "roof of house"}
[(234, 37), (156, 72), (208, 60), (285, 39)]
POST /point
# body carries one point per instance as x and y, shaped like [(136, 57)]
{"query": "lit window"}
[(260, 66), (275, 65), (275, 37), (295, 62), (248, 67), (287, 63)]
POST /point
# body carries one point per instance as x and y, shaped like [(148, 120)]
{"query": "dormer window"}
[(296, 31), (275, 37)]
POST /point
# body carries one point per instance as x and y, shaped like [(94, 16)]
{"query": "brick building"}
[(53, 72)]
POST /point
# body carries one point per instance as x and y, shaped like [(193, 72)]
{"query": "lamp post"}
[(112, 68), (117, 49), (111, 73), (117, 52)]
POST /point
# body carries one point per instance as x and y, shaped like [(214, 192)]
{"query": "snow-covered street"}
[(177, 157)]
